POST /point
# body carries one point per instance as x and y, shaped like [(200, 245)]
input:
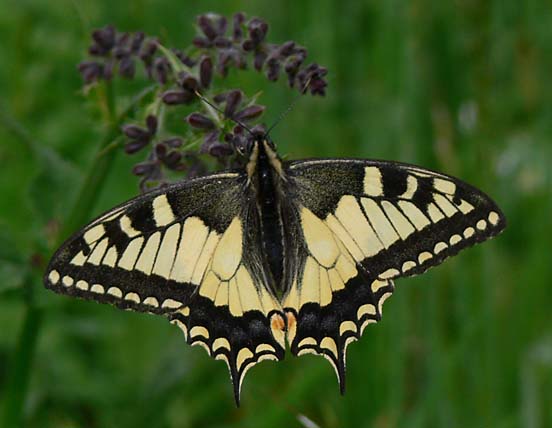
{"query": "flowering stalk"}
[(183, 77)]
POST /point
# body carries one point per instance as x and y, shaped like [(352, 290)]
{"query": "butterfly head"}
[(262, 154)]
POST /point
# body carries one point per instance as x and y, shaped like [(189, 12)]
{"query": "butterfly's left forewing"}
[(188, 251), (363, 224)]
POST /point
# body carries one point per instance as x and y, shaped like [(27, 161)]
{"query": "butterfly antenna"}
[(236, 121), (290, 107)]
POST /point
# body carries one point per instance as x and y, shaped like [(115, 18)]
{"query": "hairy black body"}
[(270, 214)]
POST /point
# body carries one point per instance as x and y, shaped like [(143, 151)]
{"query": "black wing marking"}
[(182, 252), (365, 223)]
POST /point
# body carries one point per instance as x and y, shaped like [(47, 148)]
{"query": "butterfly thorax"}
[(265, 175)]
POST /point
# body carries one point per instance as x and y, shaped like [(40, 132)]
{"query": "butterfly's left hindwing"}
[(362, 224), (187, 251)]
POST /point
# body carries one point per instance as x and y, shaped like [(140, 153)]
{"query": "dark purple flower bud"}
[(136, 132), (121, 39), (144, 168), (185, 59), (148, 50), (173, 142), (197, 120), (187, 81), (175, 97), (209, 139), (134, 146), (292, 64), (259, 60), (250, 113), (160, 150), (161, 67), (287, 48), (120, 52), (238, 20), (220, 150), (206, 71), (233, 100), (257, 30), (136, 42), (222, 42), (248, 45), (318, 87), (272, 69), (97, 50), (206, 26), (151, 123), (126, 68), (90, 71), (105, 37), (219, 98), (201, 42), (172, 159)]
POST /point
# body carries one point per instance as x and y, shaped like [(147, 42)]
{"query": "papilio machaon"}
[(302, 252)]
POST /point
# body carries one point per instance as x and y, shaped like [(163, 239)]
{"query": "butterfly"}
[(301, 253)]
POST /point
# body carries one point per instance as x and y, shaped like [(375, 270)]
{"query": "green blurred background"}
[(462, 87)]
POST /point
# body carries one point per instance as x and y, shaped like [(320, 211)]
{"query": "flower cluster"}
[(192, 76)]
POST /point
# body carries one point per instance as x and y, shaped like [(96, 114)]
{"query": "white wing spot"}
[(481, 225), (167, 252), (425, 256), (448, 208), (115, 291), (126, 226), (97, 288), (435, 213), (199, 331), (414, 214), (128, 259), (93, 234), (389, 273), (440, 246), (465, 207), (409, 264), (132, 297), (493, 218), (228, 253), (377, 284), (469, 232), (382, 301), (455, 239), (82, 285), (162, 211), (411, 187), (110, 258), (99, 250), (319, 238), (171, 304), (444, 186), (383, 228), (67, 281), (53, 277), (373, 185), (79, 259), (147, 258)]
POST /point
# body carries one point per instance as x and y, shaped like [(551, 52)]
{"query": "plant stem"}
[(21, 364)]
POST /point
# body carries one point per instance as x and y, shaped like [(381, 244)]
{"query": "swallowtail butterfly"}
[(302, 253)]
